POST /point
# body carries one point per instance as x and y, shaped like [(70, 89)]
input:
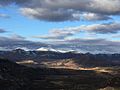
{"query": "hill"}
[(85, 60), (18, 77)]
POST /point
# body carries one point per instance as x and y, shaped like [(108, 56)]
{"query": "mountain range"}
[(38, 58)]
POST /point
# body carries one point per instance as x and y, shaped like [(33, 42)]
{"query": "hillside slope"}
[(17, 77)]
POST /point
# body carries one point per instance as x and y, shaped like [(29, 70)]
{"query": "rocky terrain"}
[(40, 57), (17, 77), (48, 70)]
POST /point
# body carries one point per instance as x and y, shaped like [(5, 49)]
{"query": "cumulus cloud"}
[(58, 10), (106, 7), (50, 15)]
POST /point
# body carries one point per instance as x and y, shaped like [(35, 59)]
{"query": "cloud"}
[(80, 45), (2, 31), (106, 7), (63, 33), (17, 37), (56, 34), (16, 41), (88, 45), (68, 10), (18, 2), (91, 42), (105, 28), (95, 17), (116, 36), (4, 16), (50, 15), (57, 10)]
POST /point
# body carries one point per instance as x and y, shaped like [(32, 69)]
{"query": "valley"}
[(36, 70)]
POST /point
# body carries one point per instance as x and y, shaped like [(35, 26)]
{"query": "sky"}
[(87, 25)]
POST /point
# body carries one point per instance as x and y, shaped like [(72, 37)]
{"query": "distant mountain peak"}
[(55, 50), (18, 50)]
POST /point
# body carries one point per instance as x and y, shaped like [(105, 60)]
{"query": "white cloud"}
[(95, 17)]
